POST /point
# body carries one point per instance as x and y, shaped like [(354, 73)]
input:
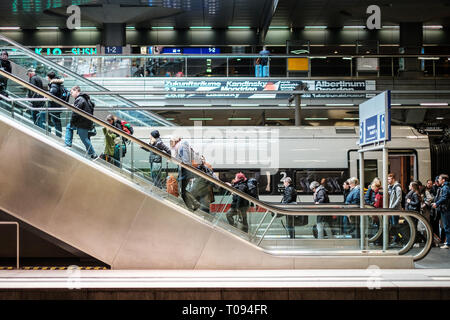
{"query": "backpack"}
[(378, 200), (403, 198), (64, 94), (252, 185), (172, 186), (127, 127), (196, 158)]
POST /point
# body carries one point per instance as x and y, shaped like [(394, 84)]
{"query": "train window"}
[(370, 171), (333, 180)]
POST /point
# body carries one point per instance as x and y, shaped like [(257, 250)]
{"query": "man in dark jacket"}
[(5, 65), (239, 206), (289, 196), (443, 205), (80, 123), (323, 222), (155, 160), (36, 81), (54, 117)]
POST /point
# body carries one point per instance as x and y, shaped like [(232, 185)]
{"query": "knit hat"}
[(240, 177), (155, 134)]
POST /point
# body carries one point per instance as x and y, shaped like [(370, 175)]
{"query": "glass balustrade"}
[(245, 66), (302, 230), (22, 59)]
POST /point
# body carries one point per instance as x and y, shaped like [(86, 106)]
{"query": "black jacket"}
[(321, 196), (156, 158), (82, 102), (55, 89), (237, 201), (6, 66), (37, 82), (290, 195), (414, 205)]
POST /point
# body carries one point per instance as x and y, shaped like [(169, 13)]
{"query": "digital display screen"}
[(194, 50)]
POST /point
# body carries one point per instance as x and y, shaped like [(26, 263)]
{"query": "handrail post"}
[(46, 119), (361, 201), (385, 199)]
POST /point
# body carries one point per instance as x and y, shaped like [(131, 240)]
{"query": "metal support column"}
[(385, 198), (361, 201), (298, 111)]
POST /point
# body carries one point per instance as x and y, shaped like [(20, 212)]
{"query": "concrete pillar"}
[(411, 41), (113, 34)]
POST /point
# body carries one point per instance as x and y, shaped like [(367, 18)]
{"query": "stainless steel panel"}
[(163, 237)]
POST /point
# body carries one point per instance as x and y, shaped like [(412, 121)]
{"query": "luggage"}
[(172, 186)]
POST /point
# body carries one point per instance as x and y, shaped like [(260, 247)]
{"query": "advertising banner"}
[(180, 88)]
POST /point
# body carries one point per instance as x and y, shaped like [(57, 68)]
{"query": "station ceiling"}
[(221, 13)]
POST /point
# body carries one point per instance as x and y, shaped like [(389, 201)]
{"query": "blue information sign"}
[(113, 50), (375, 119)]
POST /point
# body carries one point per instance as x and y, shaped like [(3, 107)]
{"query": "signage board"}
[(375, 119), (219, 88), (68, 50), (191, 50), (113, 50)]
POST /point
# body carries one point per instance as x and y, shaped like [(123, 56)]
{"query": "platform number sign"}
[(113, 50), (361, 133), (375, 119), (382, 126)]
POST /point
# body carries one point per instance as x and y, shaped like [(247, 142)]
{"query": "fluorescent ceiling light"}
[(428, 58), (9, 28), (433, 27), (351, 118), (193, 28), (354, 27), (439, 118), (278, 27), (244, 105), (390, 27), (200, 119), (87, 28), (317, 57), (434, 104), (240, 119), (315, 27), (47, 28), (162, 28), (278, 119), (396, 104), (347, 58), (317, 119), (170, 119), (238, 27), (131, 28), (339, 104)]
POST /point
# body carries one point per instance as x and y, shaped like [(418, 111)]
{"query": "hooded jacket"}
[(54, 87), (237, 201), (82, 102), (395, 196)]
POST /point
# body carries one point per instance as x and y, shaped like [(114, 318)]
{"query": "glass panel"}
[(22, 59)]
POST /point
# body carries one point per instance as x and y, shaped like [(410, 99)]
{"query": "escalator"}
[(116, 213), (23, 58)]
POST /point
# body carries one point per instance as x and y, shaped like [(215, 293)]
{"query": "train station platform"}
[(430, 280)]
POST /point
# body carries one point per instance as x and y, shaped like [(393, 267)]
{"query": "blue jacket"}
[(353, 196), (443, 202)]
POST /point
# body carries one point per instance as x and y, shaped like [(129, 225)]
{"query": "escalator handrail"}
[(77, 76), (219, 183)]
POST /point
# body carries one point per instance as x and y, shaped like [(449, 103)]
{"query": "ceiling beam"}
[(269, 11)]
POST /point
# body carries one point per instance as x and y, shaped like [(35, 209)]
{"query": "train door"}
[(403, 163)]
